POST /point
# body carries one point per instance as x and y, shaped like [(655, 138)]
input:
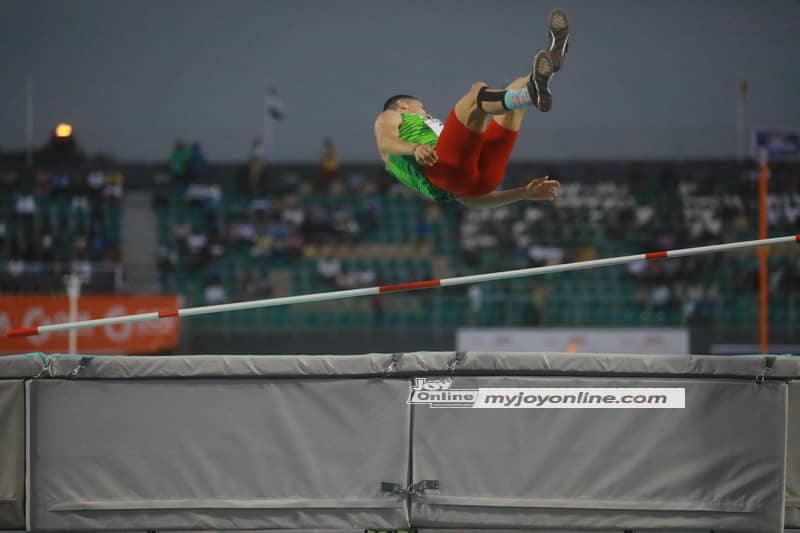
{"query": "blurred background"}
[(155, 155)]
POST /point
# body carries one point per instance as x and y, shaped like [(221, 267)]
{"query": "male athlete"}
[(465, 159)]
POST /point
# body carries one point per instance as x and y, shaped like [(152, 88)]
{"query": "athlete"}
[(465, 158)]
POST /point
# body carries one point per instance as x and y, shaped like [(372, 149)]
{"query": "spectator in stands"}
[(216, 248), (196, 244), (356, 279), (97, 241), (367, 216), (660, 296), (60, 184), (330, 162), (9, 180), (700, 304), (424, 231), (79, 204), (95, 182), (329, 268), (215, 292), (114, 182), (255, 184), (241, 232), (197, 162), (180, 228), (25, 205), (247, 284), (46, 243), (345, 280), (292, 214), (179, 161), (262, 245), (82, 266), (279, 232), (264, 286), (166, 262), (546, 255), (295, 243), (345, 225), (475, 297), (253, 285), (160, 196), (356, 182), (43, 183), (258, 151), (537, 306), (15, 268)]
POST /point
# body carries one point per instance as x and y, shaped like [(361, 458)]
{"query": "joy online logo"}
[(438, 392)]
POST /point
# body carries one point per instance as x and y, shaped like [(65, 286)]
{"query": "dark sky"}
[(653, 78)]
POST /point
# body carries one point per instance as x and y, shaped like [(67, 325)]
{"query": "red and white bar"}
[(400, 287)]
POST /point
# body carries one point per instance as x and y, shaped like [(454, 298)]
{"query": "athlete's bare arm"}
[(538, 189), (387, 136)]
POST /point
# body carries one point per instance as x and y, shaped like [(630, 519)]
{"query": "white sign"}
[(645, 341), (439, 392)]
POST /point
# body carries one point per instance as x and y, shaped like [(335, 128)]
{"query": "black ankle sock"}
[(489, 95)]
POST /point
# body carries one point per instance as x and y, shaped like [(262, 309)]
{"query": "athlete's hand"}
[(425, 155), (542, 189)]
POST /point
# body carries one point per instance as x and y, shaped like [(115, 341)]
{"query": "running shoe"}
[(558, 26), (539, 82)]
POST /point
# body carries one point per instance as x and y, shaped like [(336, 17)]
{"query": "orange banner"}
[(155, 336)]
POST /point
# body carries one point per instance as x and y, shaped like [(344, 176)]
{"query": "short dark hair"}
[(392, 100)]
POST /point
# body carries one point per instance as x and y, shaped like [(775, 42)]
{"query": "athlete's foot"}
[(558, 27), (539, 82)]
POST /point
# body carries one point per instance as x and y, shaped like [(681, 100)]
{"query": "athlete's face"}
[(415, 107)]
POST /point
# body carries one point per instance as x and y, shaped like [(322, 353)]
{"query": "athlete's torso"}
[(420, 129), (417, 129)]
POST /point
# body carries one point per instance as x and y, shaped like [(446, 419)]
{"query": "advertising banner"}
[(156, 336)]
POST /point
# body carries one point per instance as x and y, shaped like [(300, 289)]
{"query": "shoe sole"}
[(558, 26), (539, 84)]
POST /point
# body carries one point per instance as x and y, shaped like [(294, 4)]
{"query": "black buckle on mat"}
[(421, 486), (417, 488), (455, 361), (83, 363), (769, 362), (393, 363), (393, 488), (47, 369)]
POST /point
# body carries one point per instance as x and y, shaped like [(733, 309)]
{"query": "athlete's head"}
[(405, 103)]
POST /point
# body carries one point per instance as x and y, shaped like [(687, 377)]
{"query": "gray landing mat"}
[(218, 454), (716, 464), (12, 454)]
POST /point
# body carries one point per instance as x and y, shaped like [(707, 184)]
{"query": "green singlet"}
[(417, 129)]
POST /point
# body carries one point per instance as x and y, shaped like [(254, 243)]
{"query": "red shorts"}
[(471, 164)]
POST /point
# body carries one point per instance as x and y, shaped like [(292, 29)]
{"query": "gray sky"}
[(653, 78)]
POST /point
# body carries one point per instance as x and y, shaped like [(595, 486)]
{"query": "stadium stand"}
[(58, 219), (220, 242)]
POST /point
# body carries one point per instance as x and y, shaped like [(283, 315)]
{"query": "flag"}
[(274, 105), (743, 88)]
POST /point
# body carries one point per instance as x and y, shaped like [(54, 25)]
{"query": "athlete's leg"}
[(498, 141), (512, 120), (473, 108), (501, 134), (459, 145), (469, 113)]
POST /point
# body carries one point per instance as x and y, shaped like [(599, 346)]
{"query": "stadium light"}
[(63, 130)]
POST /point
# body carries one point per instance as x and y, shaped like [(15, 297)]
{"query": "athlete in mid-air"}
[(465, 158)]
